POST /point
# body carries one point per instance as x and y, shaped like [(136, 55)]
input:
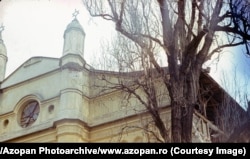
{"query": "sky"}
[(36, 27)]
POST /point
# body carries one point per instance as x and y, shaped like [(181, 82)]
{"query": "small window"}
[(6, 123), (51, 108)]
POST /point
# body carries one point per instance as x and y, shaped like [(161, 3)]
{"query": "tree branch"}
[(219, 48), (234, 30)]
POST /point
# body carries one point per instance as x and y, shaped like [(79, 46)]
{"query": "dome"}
[(74, 25)]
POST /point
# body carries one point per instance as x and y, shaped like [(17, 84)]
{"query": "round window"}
[(29, 114)]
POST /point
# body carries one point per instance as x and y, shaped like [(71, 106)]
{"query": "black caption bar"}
[(124, 149)]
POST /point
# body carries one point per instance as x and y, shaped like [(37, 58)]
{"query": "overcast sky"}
[(36, 27)]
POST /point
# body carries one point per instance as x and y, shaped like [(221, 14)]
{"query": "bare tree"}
[(137, 78), (188, 33), (233, 118)]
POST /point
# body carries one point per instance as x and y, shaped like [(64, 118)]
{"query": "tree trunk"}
[(191, 90), (187, 122), (183, 94), (176, 127), (176, 95)]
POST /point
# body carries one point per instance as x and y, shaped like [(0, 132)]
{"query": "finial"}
[(75, 13)]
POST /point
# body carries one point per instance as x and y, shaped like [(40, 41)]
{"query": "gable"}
[(33, 67)]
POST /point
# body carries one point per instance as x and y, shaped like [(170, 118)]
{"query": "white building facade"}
[(57, 100)]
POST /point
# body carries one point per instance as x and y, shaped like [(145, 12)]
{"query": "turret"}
[(73, 48), (3, 56), (74, 36)]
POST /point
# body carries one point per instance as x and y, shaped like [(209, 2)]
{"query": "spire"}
[(74, 37), (3, 56)]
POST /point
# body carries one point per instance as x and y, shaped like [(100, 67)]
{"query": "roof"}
[(40, 65)]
